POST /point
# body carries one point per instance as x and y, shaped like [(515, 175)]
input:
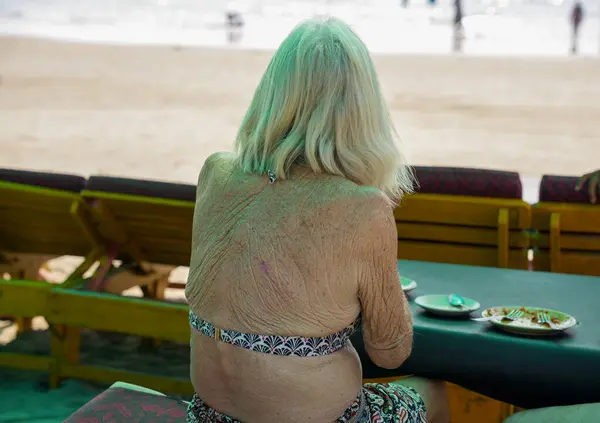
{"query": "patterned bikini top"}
[(295, 346)]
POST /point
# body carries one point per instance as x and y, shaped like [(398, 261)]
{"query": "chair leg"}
[(158, 291), (64, 348), (148, 290), (507, 410), (24, 324), (159, 287), (57, 333), (72, 344)]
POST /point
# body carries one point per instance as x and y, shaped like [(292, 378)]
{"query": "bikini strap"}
[(274, 344)]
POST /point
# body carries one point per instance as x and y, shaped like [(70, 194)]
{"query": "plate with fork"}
[(528, 320)]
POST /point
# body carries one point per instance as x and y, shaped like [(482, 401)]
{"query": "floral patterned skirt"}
[(377, 403)]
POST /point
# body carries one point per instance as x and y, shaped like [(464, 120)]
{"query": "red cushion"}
[(561, 189), (119, 405), (466, 181)]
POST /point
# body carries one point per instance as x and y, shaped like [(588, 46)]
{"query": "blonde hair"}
[(320, 101)]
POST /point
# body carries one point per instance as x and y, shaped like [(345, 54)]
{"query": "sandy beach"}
[(158, 112)]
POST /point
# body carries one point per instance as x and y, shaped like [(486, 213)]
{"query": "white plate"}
[(407, 284), (440, 305), (524, 325)]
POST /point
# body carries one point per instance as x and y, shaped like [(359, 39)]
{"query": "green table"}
[(525, 371)]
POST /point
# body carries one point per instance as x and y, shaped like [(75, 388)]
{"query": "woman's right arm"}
[(387, 320)]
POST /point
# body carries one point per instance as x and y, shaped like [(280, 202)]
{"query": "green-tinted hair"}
[(320, 101)]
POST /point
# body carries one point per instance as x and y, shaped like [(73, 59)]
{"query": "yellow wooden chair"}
[(26, 300), (74, 309), (471, 217), (463, 230), (567, 229), (465, 216), (41, 216), (147, 225)]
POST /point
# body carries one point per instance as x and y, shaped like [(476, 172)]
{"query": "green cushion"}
[(586, 413)]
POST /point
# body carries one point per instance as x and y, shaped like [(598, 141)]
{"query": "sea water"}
[(491, 27)]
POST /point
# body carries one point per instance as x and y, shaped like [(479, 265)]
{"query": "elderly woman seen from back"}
[(294, 239)]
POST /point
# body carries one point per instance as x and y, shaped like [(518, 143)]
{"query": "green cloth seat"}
[(585, 413)]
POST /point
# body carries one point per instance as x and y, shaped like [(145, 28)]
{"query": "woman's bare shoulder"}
[(352, 202), (219, 159), (374, 222), (365, 198), (216, 162)]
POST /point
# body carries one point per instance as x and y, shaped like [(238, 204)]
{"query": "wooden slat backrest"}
[(41, 220), (158, 230), (23, 298), (566, 237), (463, 230), (107, 312)]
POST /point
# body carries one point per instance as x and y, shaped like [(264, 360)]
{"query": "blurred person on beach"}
[(294, 248), (592, 180), (233, 19), (233, 15), (234, 35), (576, 18), (457, 28), (458, 15), (234, 22)]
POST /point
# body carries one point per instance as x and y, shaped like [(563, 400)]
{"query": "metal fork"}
[(543, 317), (512, 315)]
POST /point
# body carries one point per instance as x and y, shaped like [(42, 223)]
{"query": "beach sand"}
[(158, 112)]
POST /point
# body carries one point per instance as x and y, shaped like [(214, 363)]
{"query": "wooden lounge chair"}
[(149, 225), (145, 224), (465, 216), (41, 216), (567, 237)]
